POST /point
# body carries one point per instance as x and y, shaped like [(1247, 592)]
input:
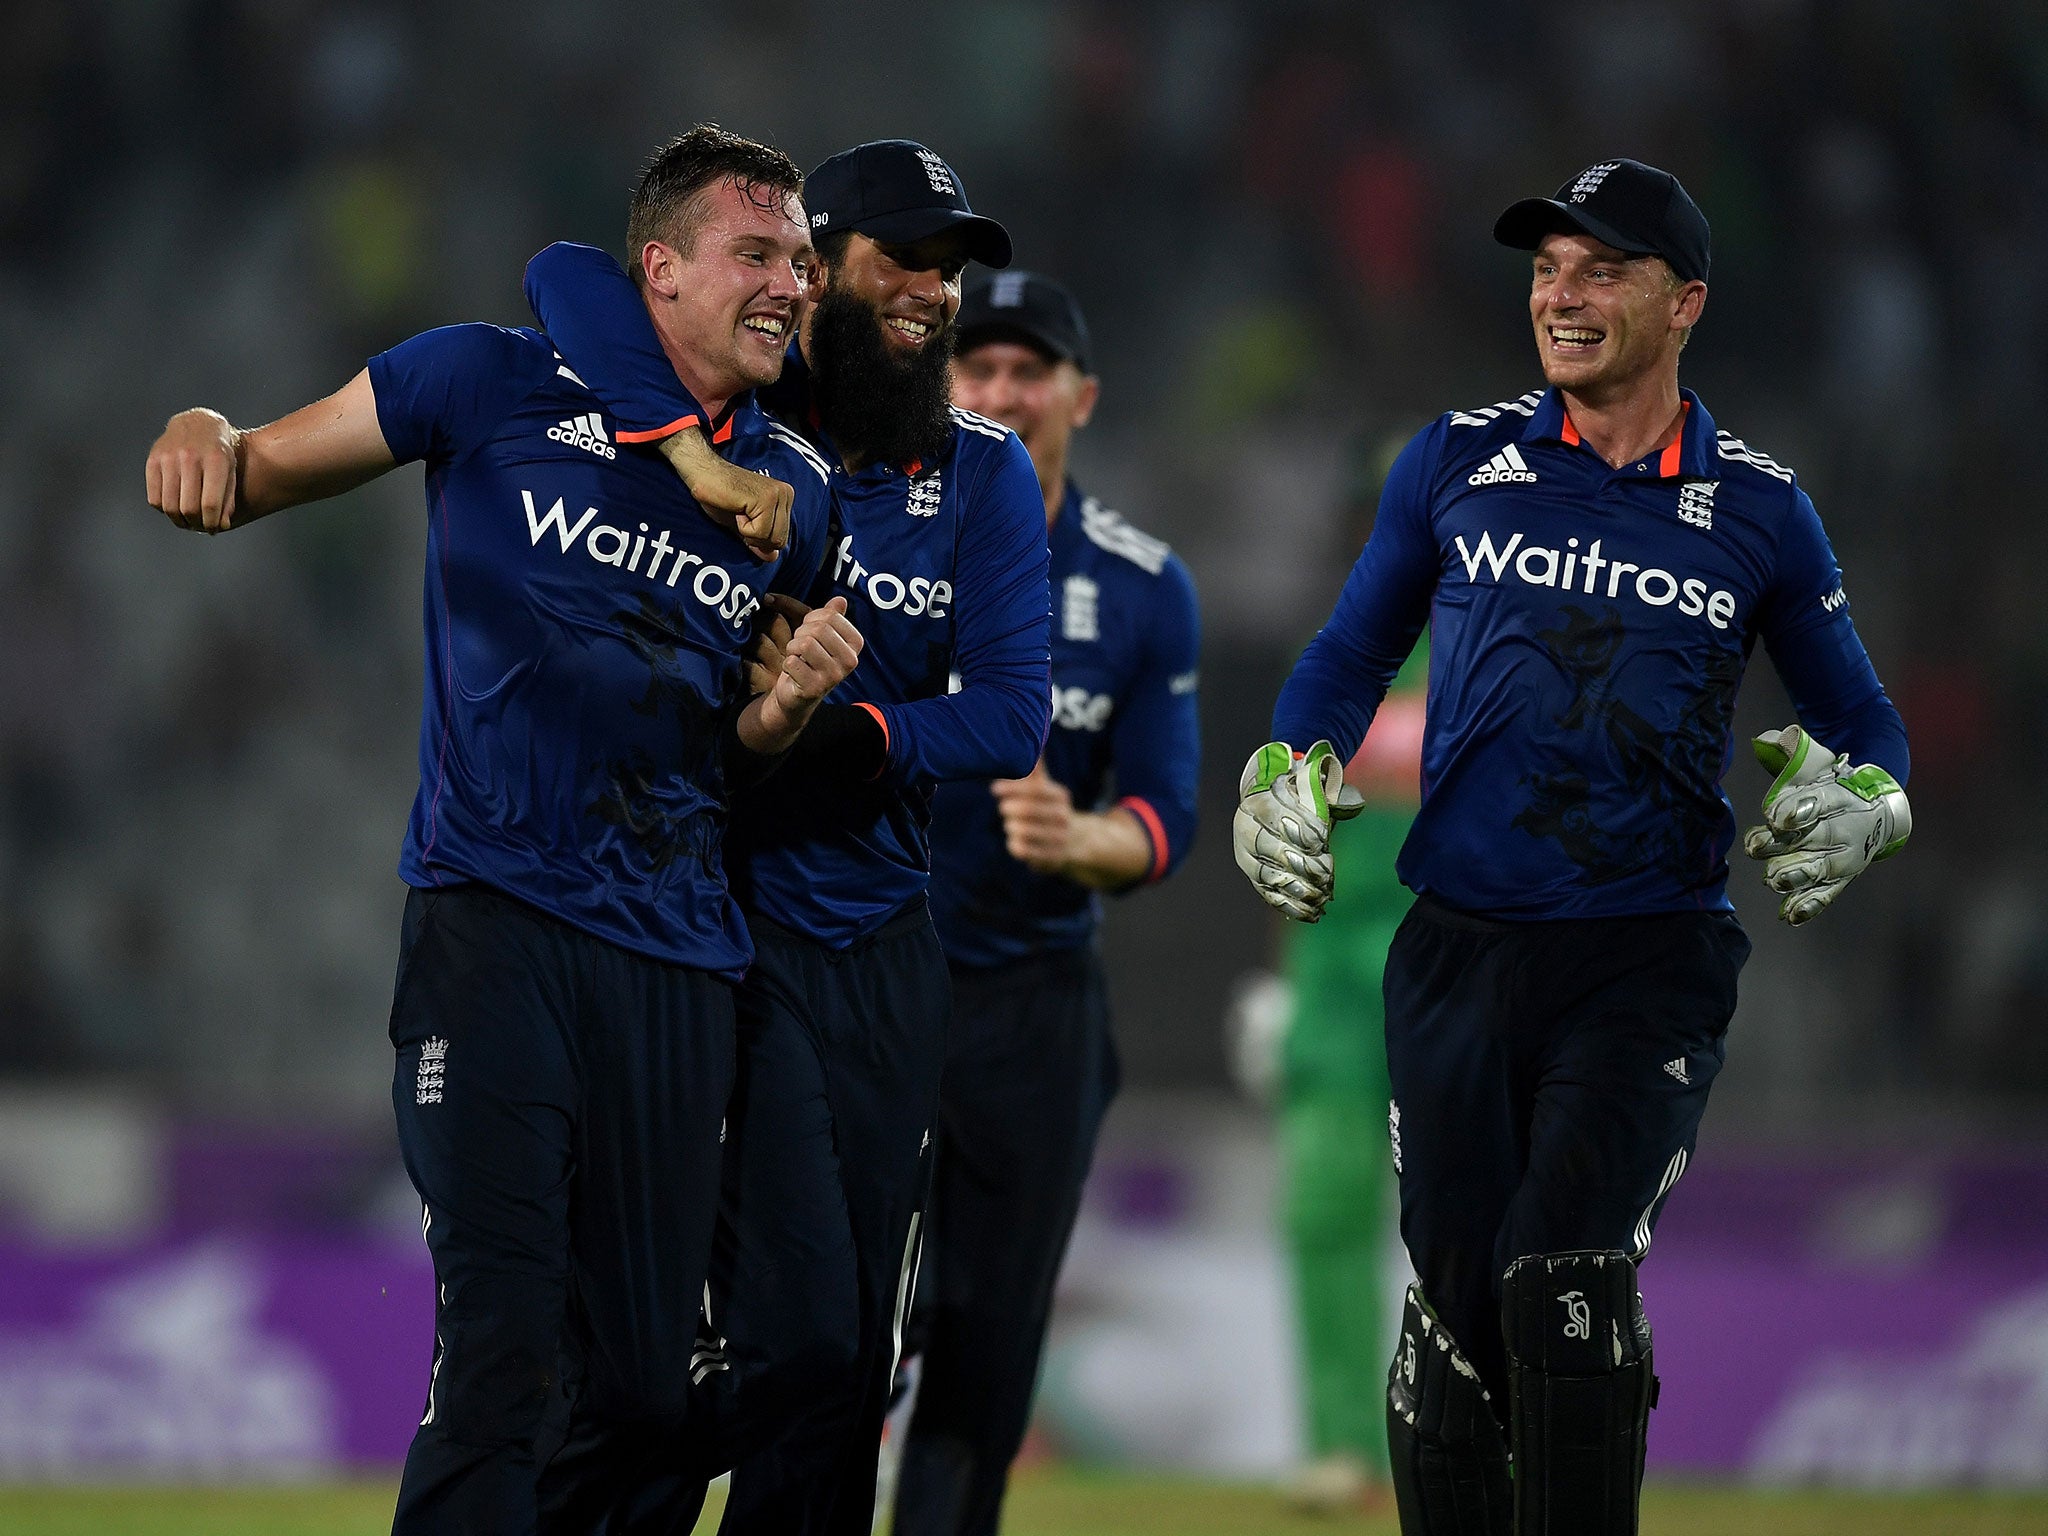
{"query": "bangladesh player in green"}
[(1338, 1186)]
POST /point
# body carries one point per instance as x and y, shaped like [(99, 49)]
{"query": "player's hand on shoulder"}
[(1280, 835), (755, 506), (1038, 820), (1825, 822), (821, 652), (192, 471)]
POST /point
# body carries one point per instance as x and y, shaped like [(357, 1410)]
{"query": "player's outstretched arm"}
[(819, 652), (208, 475)]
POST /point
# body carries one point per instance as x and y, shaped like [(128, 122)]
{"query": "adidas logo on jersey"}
[(585, 432), (1504, 467), (1677, 1070)]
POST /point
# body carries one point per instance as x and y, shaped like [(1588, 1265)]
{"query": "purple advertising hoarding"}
[(1822, 1319)]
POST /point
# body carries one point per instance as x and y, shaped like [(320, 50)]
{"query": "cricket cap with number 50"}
[(1624, 203)]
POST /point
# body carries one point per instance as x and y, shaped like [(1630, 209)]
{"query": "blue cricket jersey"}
[(1126, 637), (585, 624), (943, 566), (1589, 627)]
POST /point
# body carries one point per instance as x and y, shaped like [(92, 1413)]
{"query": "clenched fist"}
[(193, 469), (821, 652), (754, 506), (1038, 820)]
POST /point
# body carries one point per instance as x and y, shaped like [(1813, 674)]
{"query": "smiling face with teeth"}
[(914, 289), (1608, 324), (726, 298)]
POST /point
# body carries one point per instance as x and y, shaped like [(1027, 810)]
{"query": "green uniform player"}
[(1338, 1180)]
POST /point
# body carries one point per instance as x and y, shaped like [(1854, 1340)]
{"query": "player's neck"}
[(1625, 427), (1052, 481), (709, 387)]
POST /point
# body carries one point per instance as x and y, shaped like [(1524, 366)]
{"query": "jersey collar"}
[(1690, 457)]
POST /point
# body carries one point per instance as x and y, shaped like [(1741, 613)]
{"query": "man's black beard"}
[(878, 407)]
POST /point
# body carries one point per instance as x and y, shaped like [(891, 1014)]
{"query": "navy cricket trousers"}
[(559, 1102), (1548, 1083), (827, 1165), (1030, 1070)]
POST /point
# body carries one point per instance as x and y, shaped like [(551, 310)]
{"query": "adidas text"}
[(1504, 467), (585, 432)]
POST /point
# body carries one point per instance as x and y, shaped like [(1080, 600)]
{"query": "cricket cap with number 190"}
[(1624, 203), (898, 192)]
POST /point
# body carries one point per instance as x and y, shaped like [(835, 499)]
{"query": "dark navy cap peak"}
[(1624, 203), (898, 192), (1024, 306)]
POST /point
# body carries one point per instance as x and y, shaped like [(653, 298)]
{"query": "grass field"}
[(1045, 1503)]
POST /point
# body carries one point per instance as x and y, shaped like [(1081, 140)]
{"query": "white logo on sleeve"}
[(1078, 599), (1507, 466), (1677, 1069), (433, 1073), (585, 432)]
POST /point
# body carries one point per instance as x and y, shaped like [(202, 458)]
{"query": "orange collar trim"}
[(1667, 460)]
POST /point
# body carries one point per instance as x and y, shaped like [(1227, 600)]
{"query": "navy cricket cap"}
[(899, 192), (1023, 306), (1628, 205)]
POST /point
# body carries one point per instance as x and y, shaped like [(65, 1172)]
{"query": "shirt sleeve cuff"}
[(1155, 829)]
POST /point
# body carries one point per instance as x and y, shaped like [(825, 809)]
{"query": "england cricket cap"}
[(1023, 306), (898, 192), (1628, 205)]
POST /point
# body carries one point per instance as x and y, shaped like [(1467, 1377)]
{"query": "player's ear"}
[(1692, 303), (660, 265), (1085, 398)]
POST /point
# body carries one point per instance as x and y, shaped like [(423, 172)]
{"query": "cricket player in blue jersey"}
[(564, 1015), (1595, 562), (1016, 868), (938, 547)]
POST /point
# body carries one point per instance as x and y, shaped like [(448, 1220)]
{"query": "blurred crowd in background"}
[(1277, 216)]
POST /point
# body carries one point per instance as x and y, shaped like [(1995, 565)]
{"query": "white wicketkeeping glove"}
[(1281, 833), (1824, 821)]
